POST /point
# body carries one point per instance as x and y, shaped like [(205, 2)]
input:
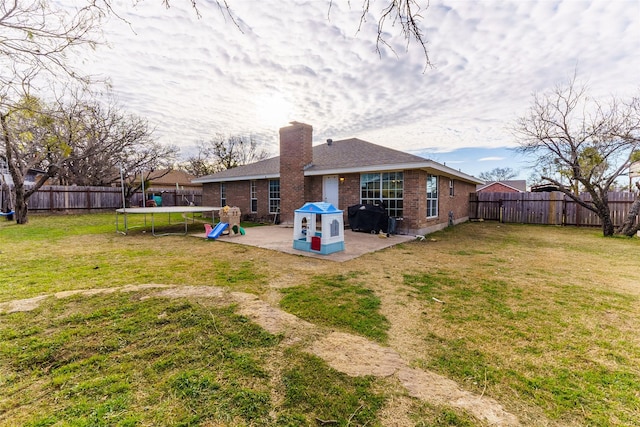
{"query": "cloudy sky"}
[(194, 77)]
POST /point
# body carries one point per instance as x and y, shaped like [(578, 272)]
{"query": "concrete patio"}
[(280, 239)]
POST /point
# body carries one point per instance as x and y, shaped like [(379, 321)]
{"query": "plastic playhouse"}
[(229, 224), (318, 227)]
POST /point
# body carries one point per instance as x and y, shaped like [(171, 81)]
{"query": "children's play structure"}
[(229, 223), (215, 232), (318, 227)]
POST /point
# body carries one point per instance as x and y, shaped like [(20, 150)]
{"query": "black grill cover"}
[(368, 218)]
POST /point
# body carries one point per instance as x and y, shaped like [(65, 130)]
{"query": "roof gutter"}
[(428, 165), (208, 180)]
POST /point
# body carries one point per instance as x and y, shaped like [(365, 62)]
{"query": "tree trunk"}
[(599, 205), (607, 226), (21, 208), (629, 228), (602, 209)]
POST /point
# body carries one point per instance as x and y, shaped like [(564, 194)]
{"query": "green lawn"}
[(542, 319)]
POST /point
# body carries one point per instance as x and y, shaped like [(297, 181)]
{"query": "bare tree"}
[(581, 144), (200, 164), (498, 174), (221, 152), (28, 143), (36, 36), (140, 163), (103, 136), (77, 142), (104, 141), (404, 14), (407, 14)]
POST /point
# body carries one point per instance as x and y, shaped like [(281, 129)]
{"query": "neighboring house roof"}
[(540, 188), (345, 156), (29, 179), (170, 179), (519, 185)]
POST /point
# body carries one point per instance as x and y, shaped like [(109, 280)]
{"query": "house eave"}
[(429, 166), (501, 183), (235, 178)]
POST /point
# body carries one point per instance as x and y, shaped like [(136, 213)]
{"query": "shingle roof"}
[(344, 156), (172, 177), (517, 184), (356, 152), (268, 168)]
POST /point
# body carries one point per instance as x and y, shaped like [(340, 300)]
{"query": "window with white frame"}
[(223, 194), (274, 196), (432, 196), (385, 187), (254, 197), (451, 192)]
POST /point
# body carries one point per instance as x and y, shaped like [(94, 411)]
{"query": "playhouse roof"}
[(318, 208)]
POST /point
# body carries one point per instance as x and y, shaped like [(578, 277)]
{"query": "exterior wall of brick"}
[(238, 194), (295, 189), (211, 194), (313, 189), (296, 152), (458, 203), (348, 191), (415, 201), (498, 187), (415, 219), (262, 192)]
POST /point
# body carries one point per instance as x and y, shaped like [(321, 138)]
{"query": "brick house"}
[(511, 186), (421, 194)]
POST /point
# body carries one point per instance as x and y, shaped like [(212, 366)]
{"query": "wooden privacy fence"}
[(56, 198), (552, 208)]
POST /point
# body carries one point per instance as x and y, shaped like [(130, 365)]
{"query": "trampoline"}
[(186, 210)]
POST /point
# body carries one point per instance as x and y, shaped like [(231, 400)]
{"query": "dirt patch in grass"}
[(347, 353), (488, 319)]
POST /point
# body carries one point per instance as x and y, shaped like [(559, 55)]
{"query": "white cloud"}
[(193, 78)]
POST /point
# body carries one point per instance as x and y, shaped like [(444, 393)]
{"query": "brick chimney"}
[(296, 153)]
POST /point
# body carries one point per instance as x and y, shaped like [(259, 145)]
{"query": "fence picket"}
[(79, 199), (550, 208)]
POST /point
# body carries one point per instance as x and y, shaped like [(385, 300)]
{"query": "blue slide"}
[(217, 230)]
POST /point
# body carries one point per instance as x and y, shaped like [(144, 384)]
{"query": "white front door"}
[(330, 187)]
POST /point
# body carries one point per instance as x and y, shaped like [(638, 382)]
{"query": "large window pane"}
[(254, 197), (274, 196), (432, 196), (386, 187)]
